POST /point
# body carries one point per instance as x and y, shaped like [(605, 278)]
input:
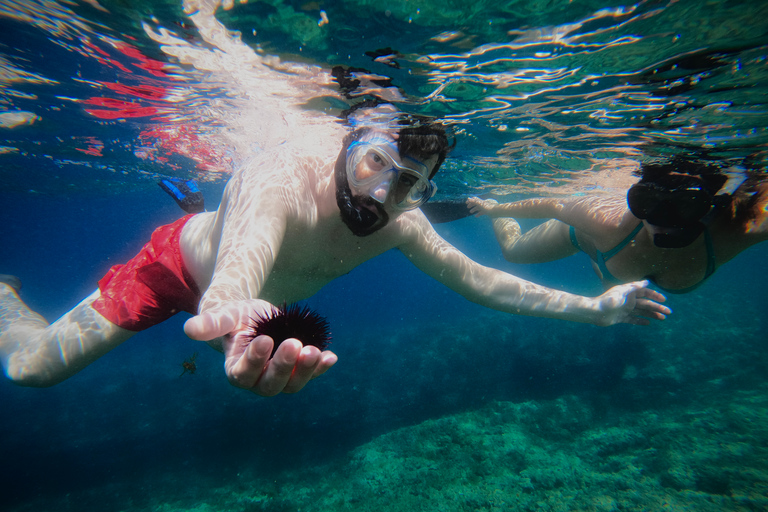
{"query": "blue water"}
[(130, 421), (130, 433)]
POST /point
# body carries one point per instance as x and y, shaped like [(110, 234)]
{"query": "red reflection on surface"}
[(122, 109), (94, 147), (151, 66), (148, 92), (156, 91), (182, 139), (143, 89)]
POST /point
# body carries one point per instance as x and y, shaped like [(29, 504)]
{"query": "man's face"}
[(374, 182), (376, 170)]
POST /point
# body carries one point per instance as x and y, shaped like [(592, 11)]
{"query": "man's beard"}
[(361, 214)]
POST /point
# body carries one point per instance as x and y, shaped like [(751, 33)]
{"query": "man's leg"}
[(34, 353)]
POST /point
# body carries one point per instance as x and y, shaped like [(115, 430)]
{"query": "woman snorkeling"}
[(676, 226)]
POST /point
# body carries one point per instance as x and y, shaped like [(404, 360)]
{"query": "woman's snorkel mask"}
[(682, 205), (374, 181)]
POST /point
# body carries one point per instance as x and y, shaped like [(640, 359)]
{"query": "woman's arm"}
[(535, 208), (590, 214)]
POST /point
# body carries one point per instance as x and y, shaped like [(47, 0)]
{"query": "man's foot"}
[(12, 281)]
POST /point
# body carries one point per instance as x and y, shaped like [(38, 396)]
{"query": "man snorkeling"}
[(288, 224), (681, 221)]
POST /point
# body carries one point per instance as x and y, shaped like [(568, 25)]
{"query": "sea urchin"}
[(292, 321)]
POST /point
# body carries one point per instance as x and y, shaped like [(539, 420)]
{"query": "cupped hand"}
[(248, 365), (631, 303), (247, 361)]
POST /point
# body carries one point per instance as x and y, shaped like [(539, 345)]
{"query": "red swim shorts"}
[(151, 287)]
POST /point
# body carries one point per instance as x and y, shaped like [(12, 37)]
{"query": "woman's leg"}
[(546, 242), (34, 353)]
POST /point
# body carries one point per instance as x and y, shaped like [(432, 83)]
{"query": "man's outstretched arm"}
[(630, 303), (253, 229)]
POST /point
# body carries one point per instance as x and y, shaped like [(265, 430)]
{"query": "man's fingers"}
[(248, 364), (206, 326), (327, 359), (224, 320), (649, 302), (650, 309), (279, 369), (651, 294), (309, 358), (244, 370)]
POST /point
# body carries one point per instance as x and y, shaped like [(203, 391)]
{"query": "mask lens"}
[(641, 200), (371, 163), (376, 173), (412, 190), (668, 208), (693, 204), (406, 187)]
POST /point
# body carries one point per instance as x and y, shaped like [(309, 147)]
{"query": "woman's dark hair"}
[(711, 174)]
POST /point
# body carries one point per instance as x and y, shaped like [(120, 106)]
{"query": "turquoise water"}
[(470, 409)]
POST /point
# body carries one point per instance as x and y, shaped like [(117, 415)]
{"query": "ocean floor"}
[(547, 455), (681, 424)]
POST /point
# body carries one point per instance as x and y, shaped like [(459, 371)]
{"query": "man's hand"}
[(247, 363), (631, 303)]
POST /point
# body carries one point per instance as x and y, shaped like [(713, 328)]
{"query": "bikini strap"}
[(572, 234), (602, 257), (610, 254)]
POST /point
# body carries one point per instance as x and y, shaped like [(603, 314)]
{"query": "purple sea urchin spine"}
[(294, 321)]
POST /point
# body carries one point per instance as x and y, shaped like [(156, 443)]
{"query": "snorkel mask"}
[(376, 170), (680, 204), (372, 180)]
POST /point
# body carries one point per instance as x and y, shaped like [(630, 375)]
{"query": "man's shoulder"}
[(411, 225), (287, 169)]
